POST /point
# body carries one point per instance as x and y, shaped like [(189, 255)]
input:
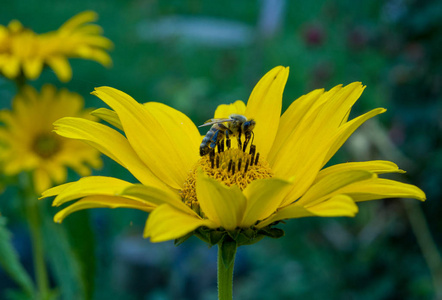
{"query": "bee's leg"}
[(220, 146), (239, 142), (252, 153), (239, 139), (247, 136), (228, 141)]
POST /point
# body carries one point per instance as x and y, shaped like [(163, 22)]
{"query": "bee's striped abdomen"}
[(211, 139)]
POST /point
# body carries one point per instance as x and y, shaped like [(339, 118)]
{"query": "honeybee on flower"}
[(187, 193), (225, 128)]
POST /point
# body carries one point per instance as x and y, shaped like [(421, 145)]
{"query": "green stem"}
[(33, 216), (426, 243), (225, 277)]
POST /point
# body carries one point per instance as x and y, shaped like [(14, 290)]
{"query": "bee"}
[(235, 125)]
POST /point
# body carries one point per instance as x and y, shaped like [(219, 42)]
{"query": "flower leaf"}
[(10, 262)]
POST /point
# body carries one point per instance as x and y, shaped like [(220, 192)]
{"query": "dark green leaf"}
[(82, 243), (10, 262), (65, 264)]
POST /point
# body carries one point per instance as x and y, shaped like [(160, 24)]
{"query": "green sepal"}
[(274, 233), (210, 236), (248, 237), (228, 250), (203, 233), (216, 236), (234, 234), (182, 239)]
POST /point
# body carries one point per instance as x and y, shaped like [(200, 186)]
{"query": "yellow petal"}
[(375, 166), (57, 171), (302, 154), (42, 181), (157, 197), (78, 20), (337, 108), (32, 68), (264, 196), (90, 29), (167, 223), (289, 212), (379, 188), (109, 142), (55, 190), (294, 115), (264, 106), (222, 204), (337, 206), (11, 68), (101, 201), (330, 185), (347, 129), (109, 116), (98, 55), (165, 140), (225, 110), (87, 186), (61, 67)]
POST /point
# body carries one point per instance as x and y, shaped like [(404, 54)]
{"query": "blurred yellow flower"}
[(23, 52), (28, 143), (233, 192)]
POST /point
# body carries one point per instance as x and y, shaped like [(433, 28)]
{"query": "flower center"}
[(232, 166), (46, 145)]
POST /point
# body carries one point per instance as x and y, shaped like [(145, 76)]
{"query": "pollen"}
[(229, 167)]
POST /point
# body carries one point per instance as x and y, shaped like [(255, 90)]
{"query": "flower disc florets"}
[(46, 145), (230, 167)]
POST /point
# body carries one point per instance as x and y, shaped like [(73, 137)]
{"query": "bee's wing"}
[(215, 121)]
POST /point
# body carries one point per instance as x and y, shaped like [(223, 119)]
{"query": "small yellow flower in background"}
[(235, 192), (23, 52), (28, 143)]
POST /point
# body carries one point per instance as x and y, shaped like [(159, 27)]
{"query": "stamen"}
[(212, 158), (224, 168), (228, 143), (220, 147), (252, 153)]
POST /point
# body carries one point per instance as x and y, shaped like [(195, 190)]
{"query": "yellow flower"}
[(28, 143), (232, 192), (22, 51)]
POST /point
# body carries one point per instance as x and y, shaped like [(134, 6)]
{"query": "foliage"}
[(391, 46)]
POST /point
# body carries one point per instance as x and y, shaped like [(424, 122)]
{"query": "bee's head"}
[(248, 125)]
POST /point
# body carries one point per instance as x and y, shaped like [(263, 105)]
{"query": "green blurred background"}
[(194, 55)]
